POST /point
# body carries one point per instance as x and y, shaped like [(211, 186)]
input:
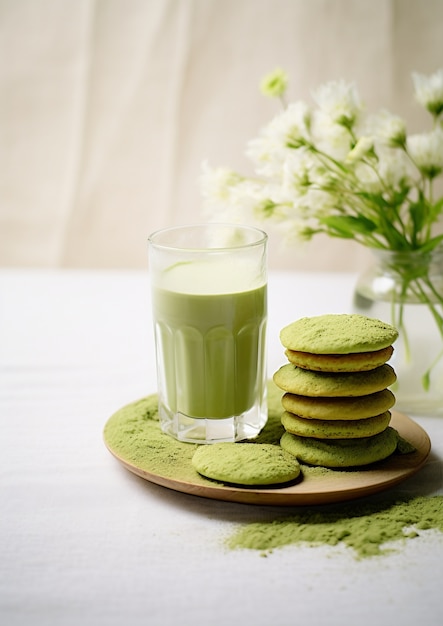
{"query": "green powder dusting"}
[(365, 527), (133, 433)]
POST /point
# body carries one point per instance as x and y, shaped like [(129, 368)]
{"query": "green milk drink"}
[(210, 330)]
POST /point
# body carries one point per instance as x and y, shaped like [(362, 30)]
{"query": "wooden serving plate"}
[(314, 487)]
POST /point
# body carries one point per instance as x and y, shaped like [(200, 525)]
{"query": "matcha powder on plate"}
[(364, 527)]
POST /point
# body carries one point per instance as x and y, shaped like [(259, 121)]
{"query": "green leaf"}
[(397, 198), (347, 225), (373, 198), (394, 238), (431, 244), (436, 209), (419, 214)]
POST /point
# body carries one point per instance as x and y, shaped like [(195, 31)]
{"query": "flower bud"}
[(274, 84)]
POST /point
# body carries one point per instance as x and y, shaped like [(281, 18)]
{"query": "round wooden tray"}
[(313, 487)]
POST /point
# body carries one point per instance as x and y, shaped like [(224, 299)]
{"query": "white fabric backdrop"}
[(109, 107)]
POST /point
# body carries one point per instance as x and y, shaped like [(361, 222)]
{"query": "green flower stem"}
[(362, 207), (415, 286), (325, 158), (398, 323), (426, 378)]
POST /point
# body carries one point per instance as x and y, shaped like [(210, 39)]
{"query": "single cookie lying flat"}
[(358, 362), (246, 463), (338, 334), (341, 453), (308, 383), (335, 429), (339, 408)]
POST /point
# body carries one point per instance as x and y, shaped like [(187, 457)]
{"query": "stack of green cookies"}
[(336, 399)]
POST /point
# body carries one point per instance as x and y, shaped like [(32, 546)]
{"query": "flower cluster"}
[(326, 167)]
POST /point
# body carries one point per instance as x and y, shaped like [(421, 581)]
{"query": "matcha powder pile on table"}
[(363, 527)]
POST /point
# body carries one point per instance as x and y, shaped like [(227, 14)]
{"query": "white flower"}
[(253, 199), (318, 203), (330, 137), (292, 125), (215, 183), (340, 101), (391, 174), (297, 173), (267, 155), (363, 148), (269, 150), (394, 169), (389, 128), (302, 172), (325, 168), (296, 233), (426, 150), (429, 91)]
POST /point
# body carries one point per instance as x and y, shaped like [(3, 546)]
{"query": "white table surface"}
[(83, 541)]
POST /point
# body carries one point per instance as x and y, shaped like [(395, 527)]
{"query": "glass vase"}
[(405, 289)]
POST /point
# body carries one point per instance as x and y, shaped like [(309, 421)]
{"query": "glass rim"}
[(262, 237)]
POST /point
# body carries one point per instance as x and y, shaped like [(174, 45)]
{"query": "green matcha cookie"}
[(352, 408), (335, 429), (308, 383), (338, 334), (341, 452), (357, 362), (246, 463)]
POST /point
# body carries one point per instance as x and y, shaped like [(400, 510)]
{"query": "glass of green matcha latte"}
[(209, 297)]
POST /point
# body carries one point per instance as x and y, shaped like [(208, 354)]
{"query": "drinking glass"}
[(209, 295)]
